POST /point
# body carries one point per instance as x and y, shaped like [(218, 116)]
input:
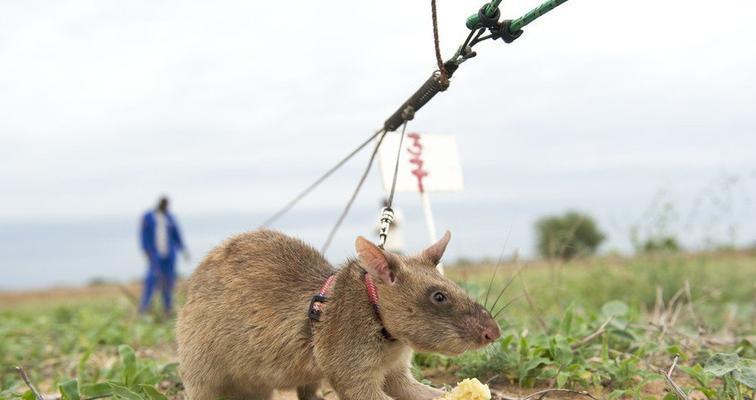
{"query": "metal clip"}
[(387, 218), (316, 307), (409, 113)]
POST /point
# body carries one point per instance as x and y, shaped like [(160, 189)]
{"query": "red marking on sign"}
[(416, 150)]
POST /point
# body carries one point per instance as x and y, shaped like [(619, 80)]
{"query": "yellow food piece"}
[(468, 389)]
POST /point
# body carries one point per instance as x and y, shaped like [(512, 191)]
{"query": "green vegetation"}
[(603, 325), (609, 326), (85, 351), (567, 236)]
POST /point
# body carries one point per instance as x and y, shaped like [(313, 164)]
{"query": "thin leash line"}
[(387, 214), (465, 43), (422, 97), (354, 194), (396, 166), (479, 38), (320, 180)]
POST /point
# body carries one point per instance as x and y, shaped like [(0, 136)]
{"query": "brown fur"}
[(244, 331)]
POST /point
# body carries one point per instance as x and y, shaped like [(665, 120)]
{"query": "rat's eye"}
[(439, 298)]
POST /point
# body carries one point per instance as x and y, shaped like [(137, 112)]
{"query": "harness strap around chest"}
[(316, 304)]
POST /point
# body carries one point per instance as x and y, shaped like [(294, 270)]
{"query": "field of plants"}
[(658, 326)]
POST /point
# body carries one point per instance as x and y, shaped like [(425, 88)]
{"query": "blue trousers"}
[(161, 274)]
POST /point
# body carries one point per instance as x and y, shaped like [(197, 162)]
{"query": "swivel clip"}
[(387, 218)]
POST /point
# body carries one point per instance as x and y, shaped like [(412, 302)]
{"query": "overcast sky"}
[(235, 106)]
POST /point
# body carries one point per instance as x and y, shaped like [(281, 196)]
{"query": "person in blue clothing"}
[(161, 240)]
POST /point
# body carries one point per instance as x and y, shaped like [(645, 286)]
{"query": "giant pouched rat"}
[(244, 330)]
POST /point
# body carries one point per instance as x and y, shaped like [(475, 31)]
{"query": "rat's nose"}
[(490, 332)]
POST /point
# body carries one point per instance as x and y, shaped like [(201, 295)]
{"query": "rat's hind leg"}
[(308, 392), (201, 392)]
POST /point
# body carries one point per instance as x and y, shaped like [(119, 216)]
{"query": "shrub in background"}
[(667, 244), (567, 236)]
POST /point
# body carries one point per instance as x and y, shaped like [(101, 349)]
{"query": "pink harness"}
[(317, 302)]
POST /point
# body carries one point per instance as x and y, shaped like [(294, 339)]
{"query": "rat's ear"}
[(375, 261), (436, 250)]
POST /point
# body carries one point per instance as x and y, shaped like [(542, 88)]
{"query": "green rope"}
[(492, 6), (519, 23), (534, 14)]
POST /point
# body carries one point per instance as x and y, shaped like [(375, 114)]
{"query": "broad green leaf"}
[(122, 392), (566, 324), (563, 354), (615, 308), (697, 372), (69, 390), (722, 363), (746, 373), (530, 365), (128, 359), (574, 369), (28, 395), (523, 346), (146, 375), (561, 379), (95, 389), (731, 387), (505, 342), (152, 393), (547, 374)]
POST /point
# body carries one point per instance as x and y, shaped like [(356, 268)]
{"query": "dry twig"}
[(600, 331), (668, 377), (676, 297), (28, 383), (541, 394), (666, 315)]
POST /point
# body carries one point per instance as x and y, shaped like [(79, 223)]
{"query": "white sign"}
[(427, 163)]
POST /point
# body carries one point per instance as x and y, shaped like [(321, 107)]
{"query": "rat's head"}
[(421, 306)]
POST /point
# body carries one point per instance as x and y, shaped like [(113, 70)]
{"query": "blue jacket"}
[(148, 235)]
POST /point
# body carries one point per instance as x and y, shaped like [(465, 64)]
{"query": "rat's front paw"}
[(433, 394), (423, 392)]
